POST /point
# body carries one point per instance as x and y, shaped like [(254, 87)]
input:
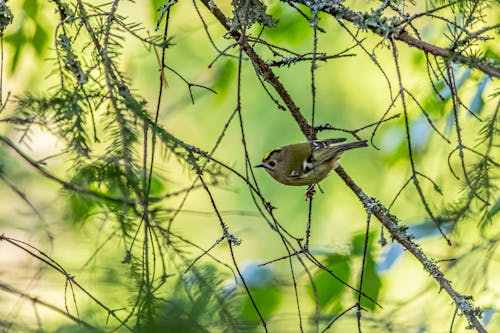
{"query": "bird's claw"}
[(310, 192)]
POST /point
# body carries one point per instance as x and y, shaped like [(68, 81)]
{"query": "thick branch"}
[(398, 232), (383, 29), (265, 71), (447, 54)]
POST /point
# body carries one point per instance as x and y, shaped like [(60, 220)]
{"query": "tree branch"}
[(37, 301), (399, 233), (390, 222), (67, 185), (264, 70), (378, 25), (447, 54)]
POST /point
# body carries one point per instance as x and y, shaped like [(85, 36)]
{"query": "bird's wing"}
[(326, 143), (324, 153)]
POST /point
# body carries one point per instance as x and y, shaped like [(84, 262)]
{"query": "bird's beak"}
[(262, 165)]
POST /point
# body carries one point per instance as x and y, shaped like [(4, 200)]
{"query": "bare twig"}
[(400, 234), (336, 9), (37, 301), (390, 222)]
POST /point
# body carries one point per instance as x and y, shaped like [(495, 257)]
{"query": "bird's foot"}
[(310, 192)]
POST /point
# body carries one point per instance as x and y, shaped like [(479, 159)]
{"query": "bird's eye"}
[(272, 164)]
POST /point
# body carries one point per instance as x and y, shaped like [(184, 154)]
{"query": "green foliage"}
[(224, 76), (65, 111), (267, 298), (197, 303), (94, 106), (495, 208), (371, 284), (289, 29), (329, 290), (479, 184), (21, 38), (371, 280), (157, 186), (119, 146), (79, 207)]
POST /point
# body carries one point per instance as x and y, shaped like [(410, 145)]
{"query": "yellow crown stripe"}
[(269, 153)]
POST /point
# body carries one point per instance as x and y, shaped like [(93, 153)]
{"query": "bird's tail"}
[(351, 145), (334, 152)]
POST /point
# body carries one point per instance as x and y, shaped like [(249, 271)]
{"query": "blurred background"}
[(103, 248)]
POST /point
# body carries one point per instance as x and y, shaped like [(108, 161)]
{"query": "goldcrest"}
[(306, 163)]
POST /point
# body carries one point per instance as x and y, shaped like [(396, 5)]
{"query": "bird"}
[(306, 163)]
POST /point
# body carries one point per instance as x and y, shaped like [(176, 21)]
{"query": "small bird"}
[(306, 163)]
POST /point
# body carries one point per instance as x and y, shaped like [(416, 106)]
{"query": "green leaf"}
[(289, 29), (371, 284), (224, 76), (30, 8), (371, 280), (358, 242), (157, 186), (329, 290), (40, 39), (267, 300), (79, 208), (17, 40)]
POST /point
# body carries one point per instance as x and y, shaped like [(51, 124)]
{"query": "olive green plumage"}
[(306, 163)]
